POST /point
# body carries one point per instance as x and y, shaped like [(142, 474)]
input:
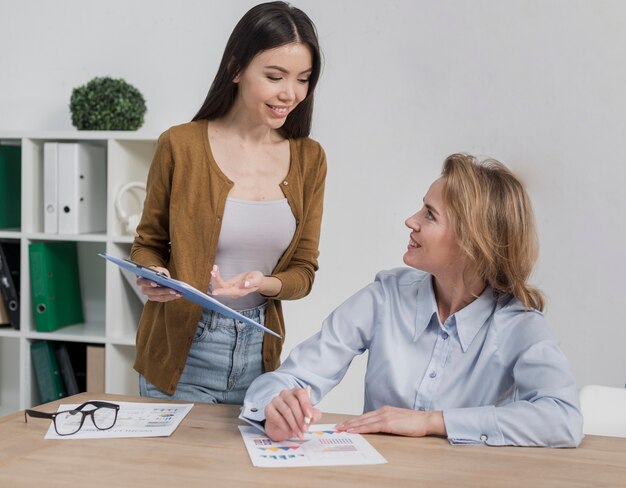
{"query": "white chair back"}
[(604, 410)]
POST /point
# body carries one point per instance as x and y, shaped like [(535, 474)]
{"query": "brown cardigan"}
[(179, 230)]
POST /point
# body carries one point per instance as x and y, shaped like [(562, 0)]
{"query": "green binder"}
[(47, 372), (55, 285), (10, 186)]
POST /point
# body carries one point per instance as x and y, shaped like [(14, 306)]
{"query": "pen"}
[(307, 388)]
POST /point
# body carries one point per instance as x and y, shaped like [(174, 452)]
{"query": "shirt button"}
[(433, 374), (444, 335), (253, 410), (484, 437), (285, 183)]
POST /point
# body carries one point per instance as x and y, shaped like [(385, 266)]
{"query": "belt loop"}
[(213, 318), (262, 310)]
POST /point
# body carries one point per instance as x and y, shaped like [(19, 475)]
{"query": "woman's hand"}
[(243, 284), (155, 292), (400, 421), (285, 415)]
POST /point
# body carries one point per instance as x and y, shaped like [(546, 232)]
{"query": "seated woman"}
[(458, 345)]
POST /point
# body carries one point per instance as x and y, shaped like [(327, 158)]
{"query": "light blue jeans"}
[(225, 356)]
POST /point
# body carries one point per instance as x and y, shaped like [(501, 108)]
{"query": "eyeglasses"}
[(68, 422)]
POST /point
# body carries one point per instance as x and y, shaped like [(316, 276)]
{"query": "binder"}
[(95, 369), (4, 315), (10, 186), (66, 369), (55, 285), (10, 281), (78, 357), (50, 187), (47, 372), (81, 188)]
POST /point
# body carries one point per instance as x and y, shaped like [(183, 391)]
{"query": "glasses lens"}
[(68, 422), (104, 417)]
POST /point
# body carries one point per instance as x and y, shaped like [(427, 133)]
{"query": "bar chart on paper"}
[(321, 446)]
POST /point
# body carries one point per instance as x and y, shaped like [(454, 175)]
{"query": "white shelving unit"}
[(111, 310)]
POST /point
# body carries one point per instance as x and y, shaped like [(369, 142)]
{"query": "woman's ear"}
[(231, 67)]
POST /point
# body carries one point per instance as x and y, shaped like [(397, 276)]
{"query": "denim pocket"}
[(201, 331)]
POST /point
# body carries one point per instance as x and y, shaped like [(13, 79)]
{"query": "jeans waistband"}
[(212, 317)]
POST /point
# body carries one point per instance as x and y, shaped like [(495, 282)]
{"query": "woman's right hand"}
[(285, 415), (156, 292)]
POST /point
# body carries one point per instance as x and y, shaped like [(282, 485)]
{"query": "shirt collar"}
[(426, 305), (469, 320)]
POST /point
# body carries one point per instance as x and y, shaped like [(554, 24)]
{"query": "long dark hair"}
[(266, 26)]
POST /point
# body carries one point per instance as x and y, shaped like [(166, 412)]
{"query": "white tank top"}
[(253, 237)]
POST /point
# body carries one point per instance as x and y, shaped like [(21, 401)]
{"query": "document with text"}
[(133, 420), (322, 445)]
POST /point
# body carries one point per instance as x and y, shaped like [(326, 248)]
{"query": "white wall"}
[(536, 84)]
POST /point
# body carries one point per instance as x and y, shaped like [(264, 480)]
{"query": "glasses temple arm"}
[(35, 413)]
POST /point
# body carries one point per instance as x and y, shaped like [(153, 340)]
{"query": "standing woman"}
[(234, 205)]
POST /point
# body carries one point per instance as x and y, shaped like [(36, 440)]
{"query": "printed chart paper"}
[(133, 420), (321, 446)]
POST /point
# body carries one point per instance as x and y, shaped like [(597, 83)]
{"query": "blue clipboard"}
[(187, 291)]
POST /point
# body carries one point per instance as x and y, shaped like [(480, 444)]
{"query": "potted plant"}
[(105, 103)]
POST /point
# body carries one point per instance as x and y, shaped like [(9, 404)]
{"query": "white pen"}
[(307, 420)]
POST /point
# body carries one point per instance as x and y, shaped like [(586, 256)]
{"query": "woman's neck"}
[(237, 124), (454, 293)]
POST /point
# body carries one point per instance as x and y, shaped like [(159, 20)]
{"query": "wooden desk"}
[(207, 450)]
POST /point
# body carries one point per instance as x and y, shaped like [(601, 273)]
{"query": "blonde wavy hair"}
[(494, 225)]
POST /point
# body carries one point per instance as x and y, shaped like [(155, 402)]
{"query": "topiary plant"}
[(107, 104)]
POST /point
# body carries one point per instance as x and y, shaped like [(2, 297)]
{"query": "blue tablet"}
[(187, 291)]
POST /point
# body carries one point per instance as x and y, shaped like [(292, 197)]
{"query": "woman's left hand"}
[(238, 286), (400, 421)]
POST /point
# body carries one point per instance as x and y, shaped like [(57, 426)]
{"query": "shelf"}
[(110, 307), (87, 135), (40, 236), (8, 331), (128, 340), (10, 234), (93, 332)]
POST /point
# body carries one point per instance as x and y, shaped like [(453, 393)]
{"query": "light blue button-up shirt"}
[(493, 368)]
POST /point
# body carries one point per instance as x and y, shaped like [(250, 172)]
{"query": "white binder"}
[(50, 187), (81, 188)]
